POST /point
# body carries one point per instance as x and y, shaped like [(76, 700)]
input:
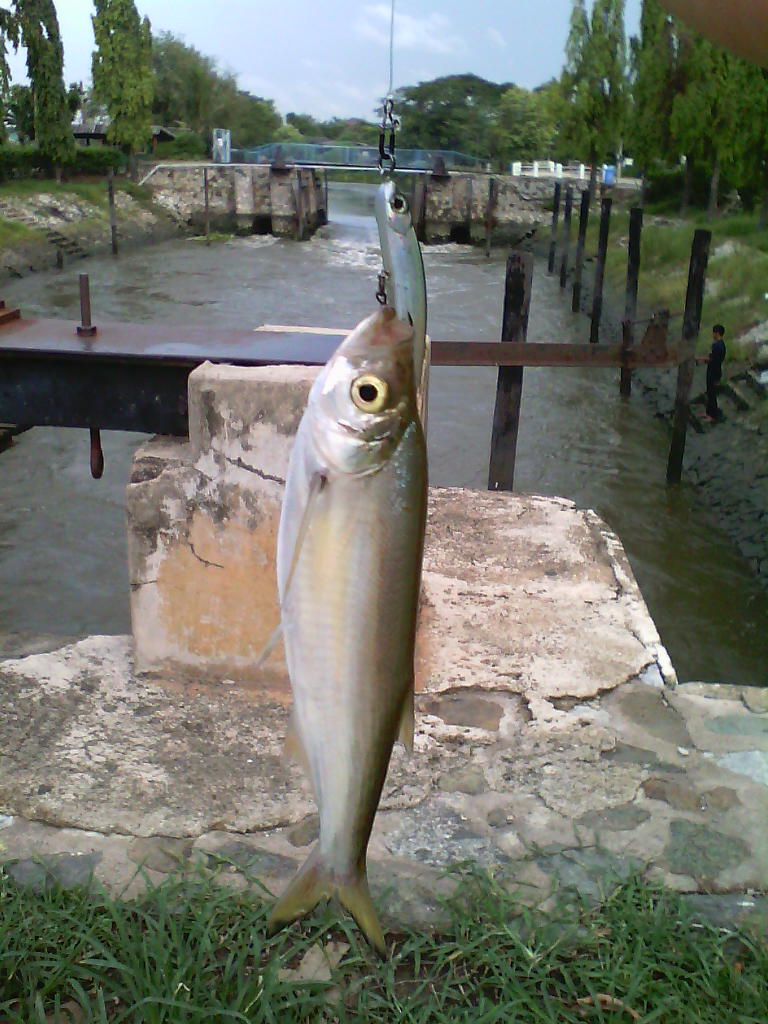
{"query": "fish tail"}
[(313, 883)]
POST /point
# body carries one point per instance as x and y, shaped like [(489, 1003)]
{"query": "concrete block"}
[(202, 526)]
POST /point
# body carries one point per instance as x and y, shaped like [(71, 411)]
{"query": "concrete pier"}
[(552, 745), (288, 202)]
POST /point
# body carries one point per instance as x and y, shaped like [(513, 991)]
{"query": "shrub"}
[(187, 145), (26, 161), (93, 160)]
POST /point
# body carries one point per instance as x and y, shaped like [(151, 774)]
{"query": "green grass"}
[(94, 192), (737, 273), (12, 233), (191, 950)]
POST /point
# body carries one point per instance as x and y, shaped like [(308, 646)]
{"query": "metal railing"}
[(332, 155)]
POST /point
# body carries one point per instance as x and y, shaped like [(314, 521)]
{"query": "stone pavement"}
[(673, 782)]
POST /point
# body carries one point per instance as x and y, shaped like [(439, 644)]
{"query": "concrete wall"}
[(245, 197), (457, 206)]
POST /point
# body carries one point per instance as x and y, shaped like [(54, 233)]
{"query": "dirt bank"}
[(727, 462), (56, 224)]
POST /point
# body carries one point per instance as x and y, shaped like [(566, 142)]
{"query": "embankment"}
[(45, 224), (727, 462)]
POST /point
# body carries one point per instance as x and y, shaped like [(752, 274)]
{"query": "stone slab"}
[(105, 773)]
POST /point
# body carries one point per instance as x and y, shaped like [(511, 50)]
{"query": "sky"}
[(330, 58)]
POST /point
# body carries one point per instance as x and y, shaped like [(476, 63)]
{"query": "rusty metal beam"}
[(134, 376)]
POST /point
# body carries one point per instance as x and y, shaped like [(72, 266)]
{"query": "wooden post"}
[(553, 234), (566, 235), (490, 213), (694, 298), (509, 388), (207, 217), (602, 249), (581, 242), (112, 214), (630, 304)]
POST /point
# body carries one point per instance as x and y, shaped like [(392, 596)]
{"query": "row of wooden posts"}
[(517, 298)]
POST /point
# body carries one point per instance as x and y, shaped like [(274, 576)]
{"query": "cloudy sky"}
[(331, 58)]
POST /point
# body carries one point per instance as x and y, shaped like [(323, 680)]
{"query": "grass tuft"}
[(191, 950)]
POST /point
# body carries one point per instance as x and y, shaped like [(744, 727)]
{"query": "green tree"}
[(703, 110), (523, 129), (20, 107), (750, 92), (594, 82), (655, 80), (38, 29), (190, 90), (455, 112), (121, 67)]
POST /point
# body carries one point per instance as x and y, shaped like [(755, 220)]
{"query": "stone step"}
[(737, 394)]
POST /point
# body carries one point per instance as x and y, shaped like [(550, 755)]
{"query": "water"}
[(62, 538)]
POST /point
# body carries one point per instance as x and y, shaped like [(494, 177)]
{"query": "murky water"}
[(62, 544)]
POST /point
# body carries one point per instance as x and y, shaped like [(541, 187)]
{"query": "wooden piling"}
[(630, 303), (112, 213), (566, 235), (553, 233), (509, 388), (206, 215), (694, 298), (602, 249), (490, 213), (578, 268)]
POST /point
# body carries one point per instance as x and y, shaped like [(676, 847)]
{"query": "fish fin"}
[(407, 721), (314, 883), (269, 646), (316, 484), (355, 897), (293, 748), (309, 886)]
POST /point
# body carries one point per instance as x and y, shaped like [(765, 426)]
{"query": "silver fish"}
[(349, 564), (405, 285)]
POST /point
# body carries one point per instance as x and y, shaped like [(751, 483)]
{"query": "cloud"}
[(432, 33), (497, 38)]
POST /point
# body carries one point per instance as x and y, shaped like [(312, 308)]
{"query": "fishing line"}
[(391, 48)]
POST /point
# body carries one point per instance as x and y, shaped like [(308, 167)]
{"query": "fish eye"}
[(370, 393), (399, 203)]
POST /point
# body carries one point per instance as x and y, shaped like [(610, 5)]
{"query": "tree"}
[(750, 91), (456, 112), (192, 91), (594, 82), (523, 128), (703, 111), (20, 107), (655, 82), (38, 31), (121, 67)]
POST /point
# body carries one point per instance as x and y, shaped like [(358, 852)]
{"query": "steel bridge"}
[(362, 158)]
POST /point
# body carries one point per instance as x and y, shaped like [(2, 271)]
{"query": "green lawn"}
[(192, 950), (737, 273)]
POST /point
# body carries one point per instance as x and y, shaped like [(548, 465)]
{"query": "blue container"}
[(609, 175)]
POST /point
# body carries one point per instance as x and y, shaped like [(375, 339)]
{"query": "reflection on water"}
[(62, 540)]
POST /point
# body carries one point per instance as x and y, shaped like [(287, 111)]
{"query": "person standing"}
[(714, 363)]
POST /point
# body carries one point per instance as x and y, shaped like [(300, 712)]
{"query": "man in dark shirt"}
[(714, 363)]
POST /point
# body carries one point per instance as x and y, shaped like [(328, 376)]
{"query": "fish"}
[(404, 282), (349, 554)]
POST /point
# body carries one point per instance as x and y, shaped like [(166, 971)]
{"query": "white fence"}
[(550, 169)]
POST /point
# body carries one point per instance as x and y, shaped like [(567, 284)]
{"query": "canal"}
[(62, 540)]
